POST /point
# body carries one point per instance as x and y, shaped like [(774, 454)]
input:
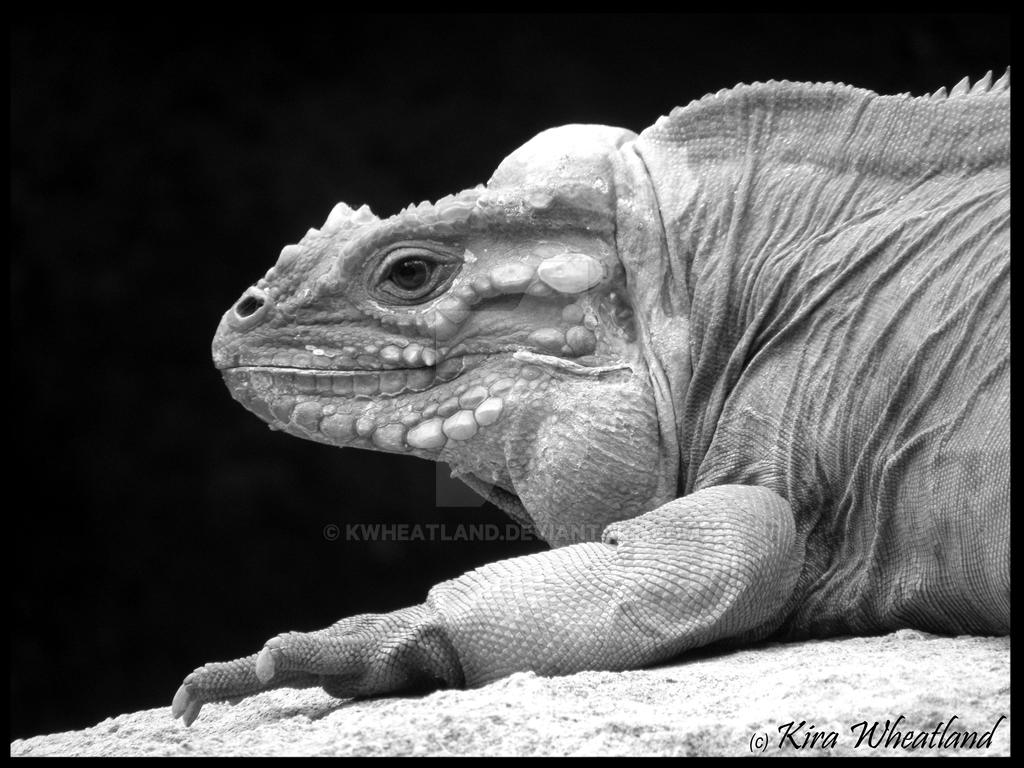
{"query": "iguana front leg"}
[(719, 563)]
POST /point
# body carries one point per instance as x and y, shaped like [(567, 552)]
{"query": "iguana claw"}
[(185, 705), (265, 661)]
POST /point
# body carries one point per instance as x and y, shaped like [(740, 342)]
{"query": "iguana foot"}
[(363, 655)]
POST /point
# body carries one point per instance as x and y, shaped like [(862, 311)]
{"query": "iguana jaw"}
[(429, 411), (368, 408)]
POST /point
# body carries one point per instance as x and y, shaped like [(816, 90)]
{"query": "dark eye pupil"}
[(410, 274)]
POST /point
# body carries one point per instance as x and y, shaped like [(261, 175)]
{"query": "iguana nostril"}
[(250, 310), (248, 306)]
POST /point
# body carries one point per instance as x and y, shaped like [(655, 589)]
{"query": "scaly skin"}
[(643, 347)]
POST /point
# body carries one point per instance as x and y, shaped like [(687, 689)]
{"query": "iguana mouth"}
[(448, 402), (283, 380)]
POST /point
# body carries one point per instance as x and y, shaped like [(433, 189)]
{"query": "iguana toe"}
[(185, 705), (229, 681), (365, 655)]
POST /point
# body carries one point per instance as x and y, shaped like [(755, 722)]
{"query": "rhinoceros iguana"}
[(747, 372)]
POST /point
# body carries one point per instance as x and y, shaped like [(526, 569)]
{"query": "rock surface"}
[(722, 703)]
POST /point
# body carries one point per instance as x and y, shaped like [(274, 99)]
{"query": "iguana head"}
[(492, 330)]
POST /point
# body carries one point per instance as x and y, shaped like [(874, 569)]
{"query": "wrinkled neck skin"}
[(786, 208), (593, 445), (660, 298)]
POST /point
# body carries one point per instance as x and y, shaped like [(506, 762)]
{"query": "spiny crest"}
[(343, 216), (839, 128), (826, 90), (984, 85), (668, 124)]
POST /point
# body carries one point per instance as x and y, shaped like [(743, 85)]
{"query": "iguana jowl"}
[(763, 346)]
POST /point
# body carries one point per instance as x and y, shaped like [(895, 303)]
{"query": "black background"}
[(157, 170)]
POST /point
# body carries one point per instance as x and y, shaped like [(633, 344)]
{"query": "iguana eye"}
[(410, 274), (413, 274)]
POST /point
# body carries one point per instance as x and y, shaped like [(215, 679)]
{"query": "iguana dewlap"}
[(747, 372)]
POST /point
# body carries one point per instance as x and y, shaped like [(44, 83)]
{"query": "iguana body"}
[(747, 372)]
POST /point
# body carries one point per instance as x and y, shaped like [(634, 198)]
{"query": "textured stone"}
[(708, 704)]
